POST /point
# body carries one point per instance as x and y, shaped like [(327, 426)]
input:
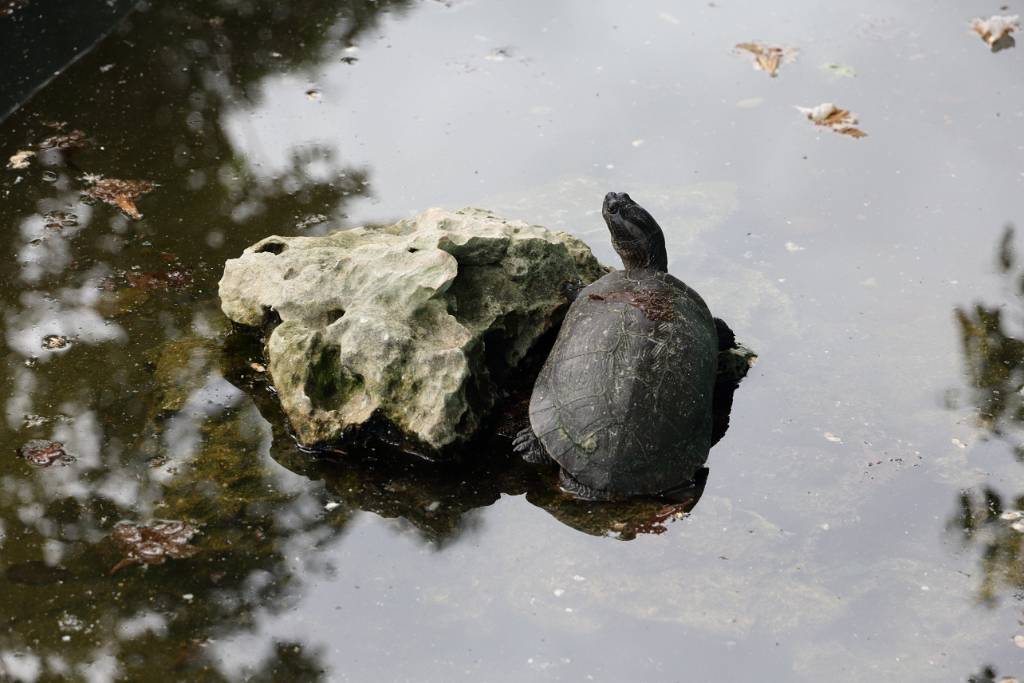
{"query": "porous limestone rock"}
[(409, 322)]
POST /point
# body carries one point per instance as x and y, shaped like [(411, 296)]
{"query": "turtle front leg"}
[(726, 338), (571, 289), (530, 449)]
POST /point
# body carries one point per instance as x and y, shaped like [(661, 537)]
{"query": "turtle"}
[(623, 402)]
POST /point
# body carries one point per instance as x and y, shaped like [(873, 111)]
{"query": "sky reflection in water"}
[(851, 528)]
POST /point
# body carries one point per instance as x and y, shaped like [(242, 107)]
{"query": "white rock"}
[(395, 320)]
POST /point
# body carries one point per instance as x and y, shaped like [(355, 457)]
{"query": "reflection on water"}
[(162, 436), (813, 552), (438, 499), (994, 360), (987, 519), (165, 436)]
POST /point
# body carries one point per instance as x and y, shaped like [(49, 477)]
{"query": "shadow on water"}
[(987, 519)]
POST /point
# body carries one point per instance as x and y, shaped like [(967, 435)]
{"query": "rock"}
[(413, 322)]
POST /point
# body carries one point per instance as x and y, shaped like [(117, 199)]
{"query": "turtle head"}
[(636, 236)]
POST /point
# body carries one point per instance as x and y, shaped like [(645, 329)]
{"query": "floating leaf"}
[(995, 28), (66, 141), (153, 544), (58, 220), (768, 57), (43, 453), (119, 193), (20, 160), (829, 115), (53, 342)]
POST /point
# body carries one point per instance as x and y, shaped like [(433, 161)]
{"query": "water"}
[(849, 529)]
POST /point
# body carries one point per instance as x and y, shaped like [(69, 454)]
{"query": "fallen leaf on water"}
[(829, 115), (66, 141), (768, 57), (58, 220), (154, 543), (20, 160), (43, 453), (995, 28), (119, 193), (52, 342)]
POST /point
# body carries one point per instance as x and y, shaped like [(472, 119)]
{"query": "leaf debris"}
[(43, 453), (20, 160), (66, 142), (119, 193), (153, 543), (768, 57), (995, 28), (52, 342), (829, 115), (58, 220)]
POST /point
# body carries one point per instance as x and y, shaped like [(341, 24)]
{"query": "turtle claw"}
[(529, 447), (571, 289), (574, 487)]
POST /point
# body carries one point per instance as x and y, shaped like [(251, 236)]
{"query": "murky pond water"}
[(857, 521)]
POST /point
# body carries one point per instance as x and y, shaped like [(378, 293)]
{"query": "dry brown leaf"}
[(119, 193), (66, 142), (43, 453), (154, 543), (842, 121), (851, 131), (995, 28), (768, 58)]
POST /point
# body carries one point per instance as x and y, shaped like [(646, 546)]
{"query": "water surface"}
[(850, 527)]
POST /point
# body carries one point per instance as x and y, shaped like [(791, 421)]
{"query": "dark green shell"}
[(623, 402)]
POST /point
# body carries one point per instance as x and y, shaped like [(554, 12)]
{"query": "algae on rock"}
[(412, 322)]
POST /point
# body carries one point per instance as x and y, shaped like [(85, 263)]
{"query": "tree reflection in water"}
[(139, 396), (145, 397), (994, 361)]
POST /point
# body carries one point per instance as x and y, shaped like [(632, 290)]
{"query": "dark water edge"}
[(856, 523)]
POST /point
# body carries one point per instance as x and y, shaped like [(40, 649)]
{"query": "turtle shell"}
[(623, 402)]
